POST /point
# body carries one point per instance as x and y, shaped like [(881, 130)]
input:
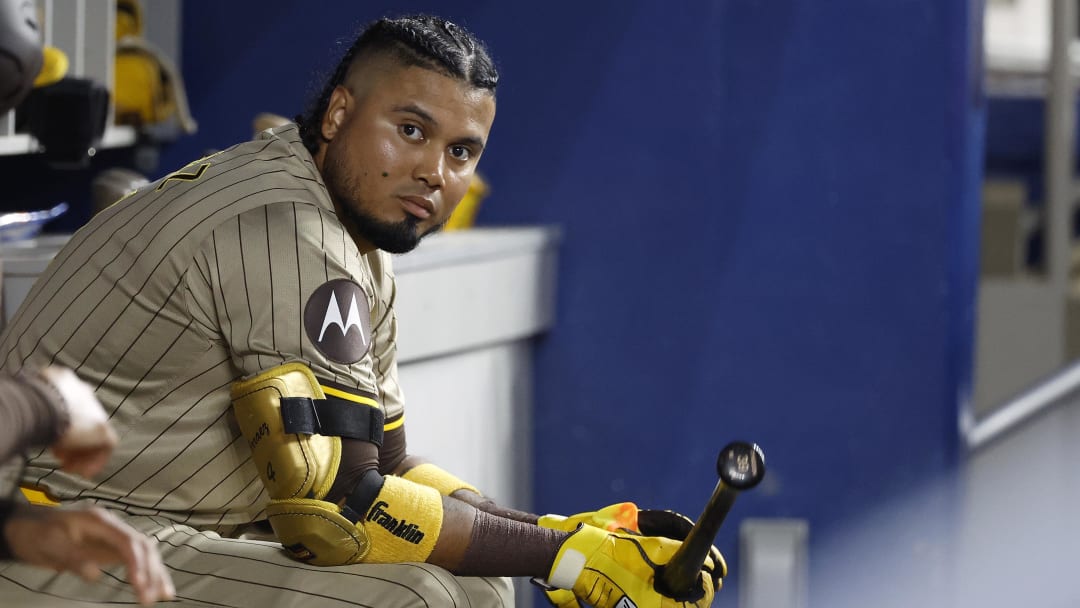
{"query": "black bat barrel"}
[(741, 466)]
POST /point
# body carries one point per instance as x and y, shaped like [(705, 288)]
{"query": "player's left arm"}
[(394, 458), (419, 470), (284, 288)]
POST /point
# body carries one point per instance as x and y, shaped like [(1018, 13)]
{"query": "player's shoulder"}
[(272, 156), (284, 140), (271, 165), (269, 175)]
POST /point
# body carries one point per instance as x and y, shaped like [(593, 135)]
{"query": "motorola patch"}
[(625, 603), (338, 322)]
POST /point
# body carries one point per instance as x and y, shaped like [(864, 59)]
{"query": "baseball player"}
[(236, 317)]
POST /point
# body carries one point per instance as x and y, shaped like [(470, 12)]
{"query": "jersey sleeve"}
[(285, 282), (384, 345)]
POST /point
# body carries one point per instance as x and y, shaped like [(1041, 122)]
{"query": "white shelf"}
[(464, 289), (21, 143)]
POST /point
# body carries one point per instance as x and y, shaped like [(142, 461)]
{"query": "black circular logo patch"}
[(338, 322)]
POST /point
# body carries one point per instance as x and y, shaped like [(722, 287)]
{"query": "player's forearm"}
[(474, 499), (489, 506), (475, 539), (476, 543), (30, 412), (480, 538)]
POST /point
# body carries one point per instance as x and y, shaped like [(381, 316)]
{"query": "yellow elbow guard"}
[(291, 464), (294, 430), (432, 476)]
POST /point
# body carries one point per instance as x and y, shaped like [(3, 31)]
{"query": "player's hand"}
[(669, 524), (619, 516), (625, 516), (83, 541), (601, 568), (87, 441)]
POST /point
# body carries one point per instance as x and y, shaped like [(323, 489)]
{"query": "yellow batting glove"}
[(619, 516), (618, 570)]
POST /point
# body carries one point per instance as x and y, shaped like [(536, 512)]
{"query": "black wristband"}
[(7, 507)]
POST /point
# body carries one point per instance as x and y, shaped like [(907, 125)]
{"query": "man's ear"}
[(336, 109)]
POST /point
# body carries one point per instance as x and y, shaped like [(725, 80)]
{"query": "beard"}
[(392, 237)]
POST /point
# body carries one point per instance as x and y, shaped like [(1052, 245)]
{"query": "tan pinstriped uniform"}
[(165, 299)]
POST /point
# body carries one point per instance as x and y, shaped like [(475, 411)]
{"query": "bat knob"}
[(741, 465)]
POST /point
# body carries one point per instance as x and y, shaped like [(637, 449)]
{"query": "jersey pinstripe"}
[(166, 298)]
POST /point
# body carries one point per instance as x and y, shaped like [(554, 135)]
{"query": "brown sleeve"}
[(357, 457), (31, 411), (475, 543), (486, 505), (503, 547), (392, 453), (400, 462)]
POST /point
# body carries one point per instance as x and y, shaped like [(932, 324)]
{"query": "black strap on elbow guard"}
[(363, 496), (332, 417)]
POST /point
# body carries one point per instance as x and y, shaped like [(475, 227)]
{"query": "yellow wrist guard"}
[(434, 477), (404, 522)]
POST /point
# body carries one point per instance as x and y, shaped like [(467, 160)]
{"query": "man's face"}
[(403, 145)]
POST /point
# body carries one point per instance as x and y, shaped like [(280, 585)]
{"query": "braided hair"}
[(418, 40)]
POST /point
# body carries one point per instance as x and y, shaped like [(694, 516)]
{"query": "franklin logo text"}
[(399, 528)]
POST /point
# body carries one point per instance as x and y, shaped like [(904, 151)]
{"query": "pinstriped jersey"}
[(235, 264)]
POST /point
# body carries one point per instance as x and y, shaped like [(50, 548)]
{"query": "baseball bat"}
[(741, 466)]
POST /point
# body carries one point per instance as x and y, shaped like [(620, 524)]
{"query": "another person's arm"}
[(53, 407), (83, 541)]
